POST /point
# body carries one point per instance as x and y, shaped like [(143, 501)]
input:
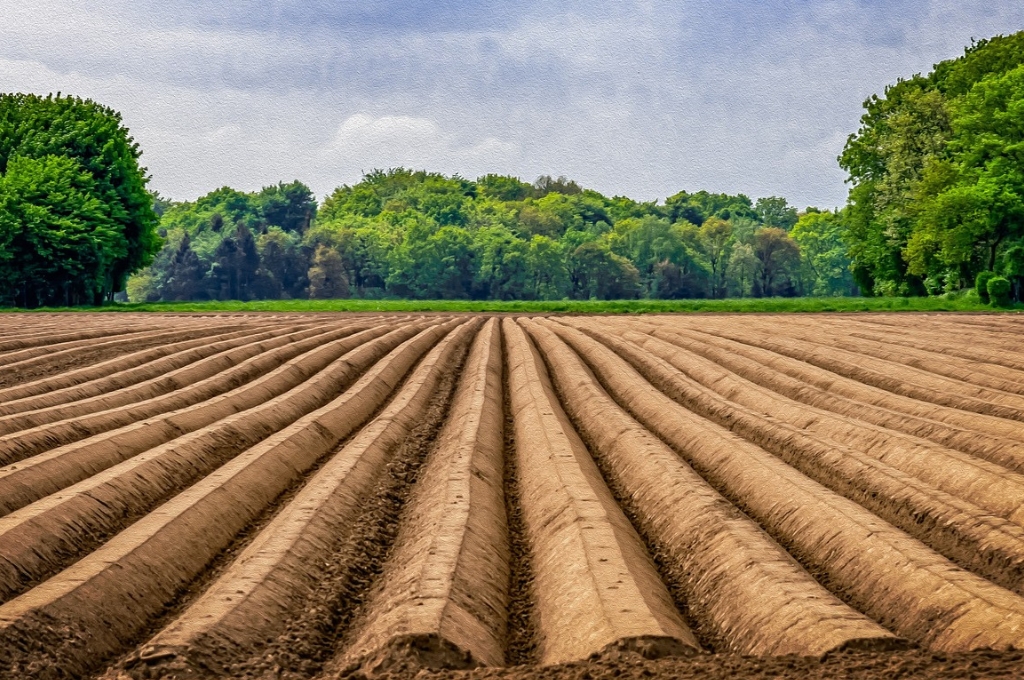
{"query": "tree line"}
[(75, 216), (936, 206), (423, 235), (937, 175)]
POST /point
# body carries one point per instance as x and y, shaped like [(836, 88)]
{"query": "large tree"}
[(778, 255), (57, 241), (974, 202), (715, 240), (56, 141), (825, 263), (924, 174)]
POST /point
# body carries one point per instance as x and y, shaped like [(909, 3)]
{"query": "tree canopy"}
[(75, 216), (418, 234), (937, 175)]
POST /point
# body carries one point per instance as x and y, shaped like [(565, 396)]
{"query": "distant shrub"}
[(999, 291), (981, 285)]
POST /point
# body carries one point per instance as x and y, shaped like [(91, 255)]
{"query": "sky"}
[(636, 98)]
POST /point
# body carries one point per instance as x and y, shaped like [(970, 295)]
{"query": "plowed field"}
[(326, 496)]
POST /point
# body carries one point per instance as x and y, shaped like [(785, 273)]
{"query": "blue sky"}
[(636, 98)]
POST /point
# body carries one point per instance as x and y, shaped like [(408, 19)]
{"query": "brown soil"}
[(841, 666), (521, 646), (776, 484), (347, 576), (45, 367)]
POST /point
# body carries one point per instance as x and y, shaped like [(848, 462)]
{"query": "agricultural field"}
[(355, 495)]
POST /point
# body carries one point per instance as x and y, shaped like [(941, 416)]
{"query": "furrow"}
[(174, 381), (43, 537), (123, 372), (987, 346), (994, 439), (880, 570), (984, 484), (278, 572), (991, 360), (595, 587), (894, 378), (855, 391), (41, 356), (970, 535), (977, 373), (934, 336), (16, 350), (46, 473), (745, 592), (89, 381), (93, 609), (443, 603), (263, 356)]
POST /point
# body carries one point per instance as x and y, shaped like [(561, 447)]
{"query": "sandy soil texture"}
[(328, 496)]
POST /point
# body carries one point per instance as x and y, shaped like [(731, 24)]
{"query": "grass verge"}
[(776, 305)]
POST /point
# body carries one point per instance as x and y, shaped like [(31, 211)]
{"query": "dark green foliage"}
[(74, 204), (778, 255), (289, 206), (1013, 269), (695, 208), (184, 274), (235, 263), (775, 211), (599, 274), (504, 188), (546, 184), (57, 241), (937, 193), (327, 280), (999, 291), (981, 285), (283, 264), (414, 234)]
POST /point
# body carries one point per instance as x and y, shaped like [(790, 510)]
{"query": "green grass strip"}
[(770, 305)]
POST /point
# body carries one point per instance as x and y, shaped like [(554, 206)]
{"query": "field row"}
[(308, 495)]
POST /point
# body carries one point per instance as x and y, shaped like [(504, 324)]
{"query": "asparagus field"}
[(350, 495)]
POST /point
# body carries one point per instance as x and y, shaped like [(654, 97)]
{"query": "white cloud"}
[(398, 140), (642, 98), (365, 142)]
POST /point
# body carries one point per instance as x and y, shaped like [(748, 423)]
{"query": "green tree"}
[(433, 263), (933, 198), (536, 221), (502, 265), (597, 273), (546, 267), (288, 206), (976, 203), (697, 207), (819, 235), (1013, 269), (115, 202), (283, 265), (546, 184), (778, 256), (236, 261), (504, 187), (651, 243), (999, 291), (327, 280), (743, 269), (775, 211), (57, 241), (184, 274), (714, 240)]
